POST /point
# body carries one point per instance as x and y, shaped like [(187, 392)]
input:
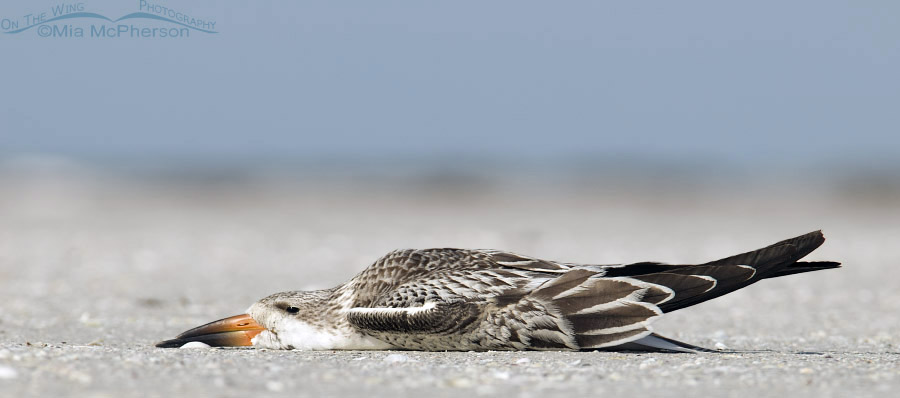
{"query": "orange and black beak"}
[(235, 331)]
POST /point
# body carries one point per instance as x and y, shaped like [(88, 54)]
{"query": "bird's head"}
[(285, 320)]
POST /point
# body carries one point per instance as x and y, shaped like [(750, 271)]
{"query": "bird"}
[(479, 300)]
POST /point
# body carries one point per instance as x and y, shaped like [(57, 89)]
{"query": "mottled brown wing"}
[(459, 271)]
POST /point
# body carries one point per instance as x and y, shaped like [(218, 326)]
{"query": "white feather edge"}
[(389, 310)]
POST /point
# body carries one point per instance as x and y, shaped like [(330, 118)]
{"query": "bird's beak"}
[(235, 331)]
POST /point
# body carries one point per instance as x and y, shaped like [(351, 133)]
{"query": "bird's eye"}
[(292, 310)]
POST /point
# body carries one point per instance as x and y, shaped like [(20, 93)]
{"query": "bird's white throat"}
[(299, 335)]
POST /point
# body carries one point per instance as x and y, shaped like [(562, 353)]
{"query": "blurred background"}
[(148, 184)]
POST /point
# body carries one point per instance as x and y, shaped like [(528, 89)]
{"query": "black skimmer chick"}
[(457, 299)]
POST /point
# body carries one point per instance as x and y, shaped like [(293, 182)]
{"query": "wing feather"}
[(432, 318)]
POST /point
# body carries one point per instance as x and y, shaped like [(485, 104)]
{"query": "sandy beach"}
[(94, 271)]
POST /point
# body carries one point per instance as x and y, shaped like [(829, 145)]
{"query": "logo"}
[(152, 20)]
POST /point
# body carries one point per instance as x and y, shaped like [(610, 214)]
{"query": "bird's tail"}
[(735, 272), (613, 307), (693, 284)]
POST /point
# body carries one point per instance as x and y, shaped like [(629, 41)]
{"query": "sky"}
[(763, 82)]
